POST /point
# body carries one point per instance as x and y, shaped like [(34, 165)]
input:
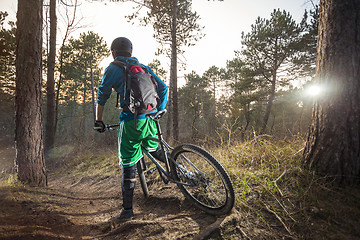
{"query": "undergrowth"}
[(104, 162), (9, 180), (283, 197)]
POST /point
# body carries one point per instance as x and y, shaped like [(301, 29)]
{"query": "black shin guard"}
[(128, 193)]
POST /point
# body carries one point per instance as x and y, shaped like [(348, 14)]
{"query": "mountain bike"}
[(199, 175)]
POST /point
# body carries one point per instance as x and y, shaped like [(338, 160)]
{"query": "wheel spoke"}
[(198, 171), (202, 179)]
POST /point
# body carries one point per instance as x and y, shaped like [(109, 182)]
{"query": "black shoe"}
[(124, 215)]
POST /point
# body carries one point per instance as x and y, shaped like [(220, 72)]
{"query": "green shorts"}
[(131, 139)]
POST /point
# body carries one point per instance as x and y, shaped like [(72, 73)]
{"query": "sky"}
[(224, 21)]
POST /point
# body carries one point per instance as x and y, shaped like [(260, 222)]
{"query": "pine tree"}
[(333, 144), (269, 49), (28, 100)]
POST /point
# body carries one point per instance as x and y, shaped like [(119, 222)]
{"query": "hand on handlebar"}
[(99, 126)]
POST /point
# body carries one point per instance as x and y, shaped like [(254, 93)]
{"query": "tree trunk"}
[(50, 89), (269, 105), (333, 143), (173, 75), (82, 129), (169, 117), (28, 132), (69, 29), (57, 97)]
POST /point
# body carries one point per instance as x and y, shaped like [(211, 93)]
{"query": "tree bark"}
[(269, 105), (173, 75), (28, 132), (333, 143), (50, 89), (169, 117)]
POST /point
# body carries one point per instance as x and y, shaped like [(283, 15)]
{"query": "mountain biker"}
[(130, 138)]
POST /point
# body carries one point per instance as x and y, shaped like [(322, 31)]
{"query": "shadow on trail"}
[(162, 217), (25, 219)]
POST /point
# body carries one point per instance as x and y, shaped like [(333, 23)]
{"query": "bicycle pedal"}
[(151, 170)]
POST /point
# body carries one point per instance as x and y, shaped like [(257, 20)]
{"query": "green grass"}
[(104, 163), (9, 180)]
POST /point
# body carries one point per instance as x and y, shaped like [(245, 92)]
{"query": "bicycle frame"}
[(163, 145), (166, 153)]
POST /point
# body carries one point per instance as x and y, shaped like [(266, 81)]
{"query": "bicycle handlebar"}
[(107, 126), (154, 116)]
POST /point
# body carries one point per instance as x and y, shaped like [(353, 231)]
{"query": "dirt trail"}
[(80, 208)]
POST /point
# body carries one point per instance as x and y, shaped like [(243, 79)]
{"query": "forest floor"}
[(83, 194), (80, 207)]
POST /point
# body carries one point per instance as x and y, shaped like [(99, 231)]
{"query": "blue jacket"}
[(113, 78)]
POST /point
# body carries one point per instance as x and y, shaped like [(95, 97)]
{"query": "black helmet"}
[(121, 46)]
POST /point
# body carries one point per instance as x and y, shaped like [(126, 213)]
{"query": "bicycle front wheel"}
[(202, 179), (141, 169)]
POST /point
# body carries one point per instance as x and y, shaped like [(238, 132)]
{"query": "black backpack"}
[(140, 95)]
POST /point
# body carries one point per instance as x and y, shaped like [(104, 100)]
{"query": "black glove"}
[(99, 126)]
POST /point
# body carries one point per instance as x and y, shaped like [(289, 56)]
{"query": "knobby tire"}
[(140, 169), (208, 184)]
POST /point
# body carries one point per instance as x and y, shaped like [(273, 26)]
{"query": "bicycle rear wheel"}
[(202, 179)]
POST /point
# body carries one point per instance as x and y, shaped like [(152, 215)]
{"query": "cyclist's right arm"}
[(99, 112), (108, 82), (111, 79)]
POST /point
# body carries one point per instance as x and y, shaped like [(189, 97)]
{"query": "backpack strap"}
[(135, 119), (123, 65)]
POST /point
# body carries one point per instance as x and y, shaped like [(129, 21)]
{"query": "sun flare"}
[(314, 90)]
